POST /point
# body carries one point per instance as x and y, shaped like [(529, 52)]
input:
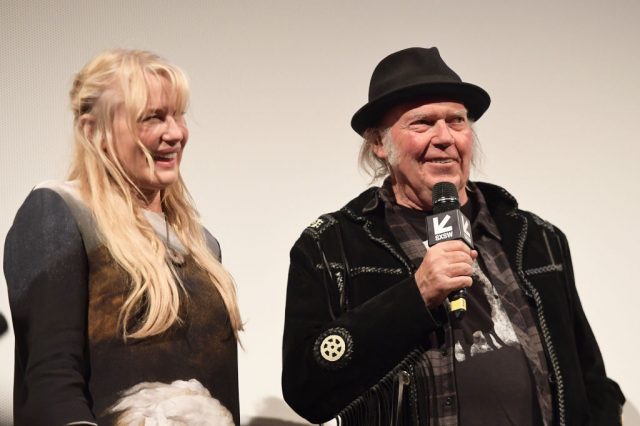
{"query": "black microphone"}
[(449, 223)]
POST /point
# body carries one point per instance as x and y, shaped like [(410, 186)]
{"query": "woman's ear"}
[(87, 124)]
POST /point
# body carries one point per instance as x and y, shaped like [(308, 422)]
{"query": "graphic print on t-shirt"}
[(483, 333)]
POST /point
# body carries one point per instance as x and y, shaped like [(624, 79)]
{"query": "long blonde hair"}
[(112, 78)]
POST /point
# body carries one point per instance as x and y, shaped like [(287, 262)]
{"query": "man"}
[(368, 333)]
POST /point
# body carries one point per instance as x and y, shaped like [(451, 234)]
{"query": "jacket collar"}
[(483, 222), (374, 203), (497, 200), (368, 210), (367, 203), (511, 223)]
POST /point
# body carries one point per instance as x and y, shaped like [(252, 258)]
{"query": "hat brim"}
[(473, 97)]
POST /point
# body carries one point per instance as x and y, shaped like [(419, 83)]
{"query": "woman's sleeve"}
[(46, 270)]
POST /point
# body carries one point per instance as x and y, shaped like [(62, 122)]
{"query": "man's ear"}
[(87, 124), (377, 147)]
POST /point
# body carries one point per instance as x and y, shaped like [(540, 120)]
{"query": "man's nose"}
[(442, 134)]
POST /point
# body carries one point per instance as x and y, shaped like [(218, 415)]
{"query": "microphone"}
[(449, 223)]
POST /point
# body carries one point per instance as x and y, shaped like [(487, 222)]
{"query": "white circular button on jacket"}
[(332, 347)]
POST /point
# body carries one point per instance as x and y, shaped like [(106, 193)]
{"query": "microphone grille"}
[(444, 197)]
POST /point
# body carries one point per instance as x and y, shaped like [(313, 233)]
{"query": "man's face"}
[(427, 143)]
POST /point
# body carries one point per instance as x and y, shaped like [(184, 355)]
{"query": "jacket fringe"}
[(385, 403)]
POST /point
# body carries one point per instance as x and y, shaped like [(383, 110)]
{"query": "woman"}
[(116, 289)]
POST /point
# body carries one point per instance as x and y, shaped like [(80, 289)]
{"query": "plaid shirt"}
[(441, 385)]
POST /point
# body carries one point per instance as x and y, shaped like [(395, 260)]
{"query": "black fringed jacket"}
[(350, 338)]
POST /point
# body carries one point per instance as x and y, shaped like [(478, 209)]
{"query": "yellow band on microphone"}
[(459, 305)]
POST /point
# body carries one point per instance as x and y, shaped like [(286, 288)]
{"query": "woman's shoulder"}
[(44, 234), (68, 190), (59, 185), (56, 193), (212, 243), (64, 197), (47, 198)]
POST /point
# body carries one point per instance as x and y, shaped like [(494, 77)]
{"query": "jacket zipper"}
[(404, 379)]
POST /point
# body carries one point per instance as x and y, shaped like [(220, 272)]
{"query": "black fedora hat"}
[(411, 74)]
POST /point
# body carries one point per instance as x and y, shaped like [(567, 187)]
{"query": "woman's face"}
[(162, 130)]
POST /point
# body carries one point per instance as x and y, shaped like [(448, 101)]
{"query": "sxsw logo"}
[(451, 225), (441, 230)]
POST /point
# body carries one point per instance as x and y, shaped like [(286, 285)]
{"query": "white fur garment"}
[(176, 404)]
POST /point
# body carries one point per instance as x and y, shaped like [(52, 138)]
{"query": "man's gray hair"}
[(368, 160)]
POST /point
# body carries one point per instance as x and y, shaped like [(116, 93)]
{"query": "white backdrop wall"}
[(274, 86)]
